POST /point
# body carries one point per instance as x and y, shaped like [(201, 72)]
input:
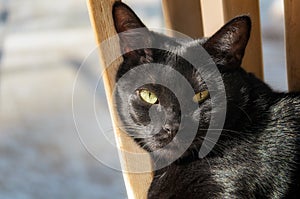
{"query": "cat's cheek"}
[(202, 115), (139, 114)]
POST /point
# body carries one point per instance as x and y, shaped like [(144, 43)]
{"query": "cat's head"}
[(152, 113)]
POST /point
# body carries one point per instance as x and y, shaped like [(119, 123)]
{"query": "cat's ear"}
[(227, 46), (134, 34)]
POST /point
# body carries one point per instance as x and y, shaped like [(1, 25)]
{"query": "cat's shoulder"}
[(286, 108)]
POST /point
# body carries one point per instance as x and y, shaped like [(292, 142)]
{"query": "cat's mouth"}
[(159, 139)]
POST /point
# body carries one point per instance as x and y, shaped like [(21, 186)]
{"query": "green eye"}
[(148, 96), (201, 96)]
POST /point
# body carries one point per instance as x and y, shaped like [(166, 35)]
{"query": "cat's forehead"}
[(183, 58), (182, 46)]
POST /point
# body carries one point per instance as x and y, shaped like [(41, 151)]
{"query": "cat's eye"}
[(201, 96), (148, 96)]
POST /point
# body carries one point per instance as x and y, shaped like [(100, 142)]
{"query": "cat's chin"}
[(163, 159), (176, 154), (168, 155)]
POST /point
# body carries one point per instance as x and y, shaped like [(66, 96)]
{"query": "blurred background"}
[(42, 45)]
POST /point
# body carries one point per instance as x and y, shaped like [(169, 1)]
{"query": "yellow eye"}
[(200, 97), (148, 96)]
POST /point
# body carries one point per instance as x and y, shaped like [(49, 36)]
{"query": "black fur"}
[(257, 155)]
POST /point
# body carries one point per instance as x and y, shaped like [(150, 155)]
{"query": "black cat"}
[(257, 154)]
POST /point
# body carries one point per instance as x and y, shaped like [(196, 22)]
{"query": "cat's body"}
[(257, 154), (259, 166)]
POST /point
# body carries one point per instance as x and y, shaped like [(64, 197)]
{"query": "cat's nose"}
[(171, 128)]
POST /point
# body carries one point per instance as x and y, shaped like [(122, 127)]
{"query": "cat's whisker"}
[(243, 111), (220, 145), (161, 176), (207, 160), (158, 158), (228, 130)]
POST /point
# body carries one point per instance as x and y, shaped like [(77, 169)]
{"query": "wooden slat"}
[(183, 16), (253, 61), (292, 29), (102, 22), (212, 16)]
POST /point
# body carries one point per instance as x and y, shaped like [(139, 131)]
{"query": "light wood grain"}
[(253, 60), (101, 19), (292, 28), (212, 16), (183, 16)]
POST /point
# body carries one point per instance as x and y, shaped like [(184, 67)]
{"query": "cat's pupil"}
[(201, 96), (148, 96)]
